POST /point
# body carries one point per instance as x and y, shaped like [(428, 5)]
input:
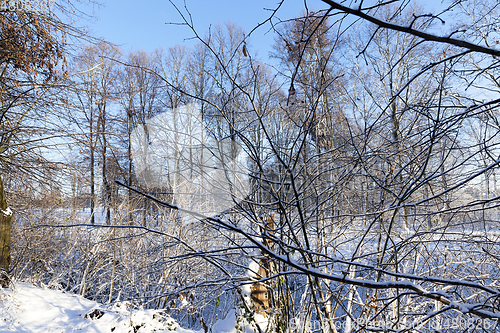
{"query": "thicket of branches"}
[(371, 146)]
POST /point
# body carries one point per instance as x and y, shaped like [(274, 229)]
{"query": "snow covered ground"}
[(26, 308)]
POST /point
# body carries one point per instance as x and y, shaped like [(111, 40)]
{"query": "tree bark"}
[(5, 220), (260, 294)]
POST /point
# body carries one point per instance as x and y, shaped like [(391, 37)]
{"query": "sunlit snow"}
[(26, 308)]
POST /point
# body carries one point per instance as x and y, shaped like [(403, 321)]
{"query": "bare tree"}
[(32, 50), (97, 73), (140, 95)]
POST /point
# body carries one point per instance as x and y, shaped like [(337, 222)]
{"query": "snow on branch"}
[(437, 295), (411, 31)]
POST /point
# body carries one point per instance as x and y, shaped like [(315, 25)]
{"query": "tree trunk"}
[(260, 294), (106, 185), (92, 164), (5, 220), (129, 197)]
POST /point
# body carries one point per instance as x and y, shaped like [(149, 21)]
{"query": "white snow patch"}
[(29, 309), (6, 212), (246, 291), (26, 308), (232, 324), (253, 269), (228, 325)]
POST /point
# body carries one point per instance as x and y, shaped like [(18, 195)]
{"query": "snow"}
[(26, 308), (253, 268), (30, 309), (6, 212), (226, 326), (230, 324)]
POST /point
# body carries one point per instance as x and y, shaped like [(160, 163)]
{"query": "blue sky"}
[(135, 25), (144, 25)]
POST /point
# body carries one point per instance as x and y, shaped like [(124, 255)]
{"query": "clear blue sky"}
[(144, 25)]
